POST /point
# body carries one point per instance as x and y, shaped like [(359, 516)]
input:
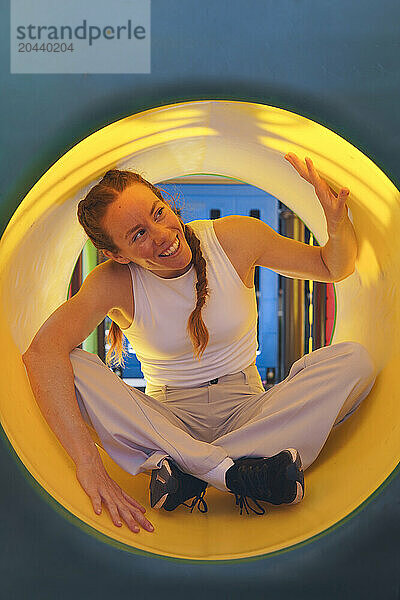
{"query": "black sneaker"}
[(170, 487), (277, 480)]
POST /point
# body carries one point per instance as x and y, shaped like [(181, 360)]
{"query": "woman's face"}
[(144, 228)]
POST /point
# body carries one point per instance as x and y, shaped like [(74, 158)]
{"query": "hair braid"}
[(196, 328)]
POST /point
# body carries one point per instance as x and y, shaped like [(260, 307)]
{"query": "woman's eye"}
[(136, 236), (161, 210)]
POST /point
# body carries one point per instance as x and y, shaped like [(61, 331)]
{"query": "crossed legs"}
[(322, 389)]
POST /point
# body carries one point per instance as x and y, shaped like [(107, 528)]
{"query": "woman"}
[(184, 296)]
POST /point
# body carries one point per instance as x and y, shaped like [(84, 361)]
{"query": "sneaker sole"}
[(300, 484), (165, 473)]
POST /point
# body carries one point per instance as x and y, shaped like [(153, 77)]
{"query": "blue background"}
[(334, 62)]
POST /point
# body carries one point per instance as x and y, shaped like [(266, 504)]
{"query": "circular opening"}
[(246, 141)]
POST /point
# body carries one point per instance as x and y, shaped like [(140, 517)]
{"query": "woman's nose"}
[(160, 237)]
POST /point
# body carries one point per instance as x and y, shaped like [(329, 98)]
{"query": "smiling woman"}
[(243, 448), (205, 421)]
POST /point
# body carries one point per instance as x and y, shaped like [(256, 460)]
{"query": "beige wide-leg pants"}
[(200, 427)]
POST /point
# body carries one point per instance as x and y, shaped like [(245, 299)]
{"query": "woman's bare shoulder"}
[(232, 234), (77, 317), (109, 272), (115, 279), (230, 230), (112, 280)]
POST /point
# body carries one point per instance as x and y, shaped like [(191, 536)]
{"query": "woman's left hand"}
[(334, 204)]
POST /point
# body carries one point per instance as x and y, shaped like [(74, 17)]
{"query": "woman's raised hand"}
[(334, 204), (99, 486)]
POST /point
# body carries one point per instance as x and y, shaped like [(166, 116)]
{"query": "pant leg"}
[(322, 389), (136, 430)]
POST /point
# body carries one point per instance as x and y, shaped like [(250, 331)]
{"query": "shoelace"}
[(253, 479), (198, 500), (243, 503)]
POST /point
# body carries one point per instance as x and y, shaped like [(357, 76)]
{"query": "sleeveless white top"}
[(158, 333)]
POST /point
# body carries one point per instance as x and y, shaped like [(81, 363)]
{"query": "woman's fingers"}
[(133, 517), (112, 509), (118, 489), (132, 501), (333, 203), (129, 519), (313, 174), (298, 164), (96, 502), (333, 191), (306, 169), (131, 514), (100, 487)]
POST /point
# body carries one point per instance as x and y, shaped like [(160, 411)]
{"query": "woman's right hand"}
[(99, 486)]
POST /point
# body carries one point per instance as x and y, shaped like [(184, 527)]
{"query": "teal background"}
[(334, 62)]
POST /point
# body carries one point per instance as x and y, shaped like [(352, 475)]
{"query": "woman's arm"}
[(250, 242), (51, 377), (50, 370), (340, 252)]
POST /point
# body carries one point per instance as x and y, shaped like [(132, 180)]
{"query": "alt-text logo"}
[(80, 36)]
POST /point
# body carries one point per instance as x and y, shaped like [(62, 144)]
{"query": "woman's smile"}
[(172, 250)]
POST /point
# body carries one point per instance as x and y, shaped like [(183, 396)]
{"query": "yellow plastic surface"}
[(246, 141)]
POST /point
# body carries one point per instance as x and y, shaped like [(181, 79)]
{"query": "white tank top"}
[(158, 333)]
